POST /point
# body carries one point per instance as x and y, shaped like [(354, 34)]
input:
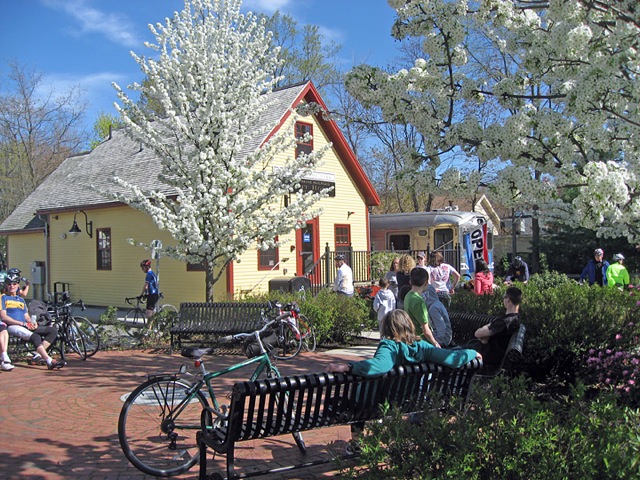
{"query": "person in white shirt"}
[(384, 301), (443, 277), (343, 283)]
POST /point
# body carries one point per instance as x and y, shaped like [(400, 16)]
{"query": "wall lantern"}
[(75, 230)]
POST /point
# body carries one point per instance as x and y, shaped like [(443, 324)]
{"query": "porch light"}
[(75, 230)]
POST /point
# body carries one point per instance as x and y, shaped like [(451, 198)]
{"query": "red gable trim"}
[(345, 154)]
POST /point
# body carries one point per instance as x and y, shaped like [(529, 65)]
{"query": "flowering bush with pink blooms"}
[(618, 369)]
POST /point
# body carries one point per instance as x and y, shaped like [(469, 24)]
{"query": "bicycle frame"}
[(264, 364)]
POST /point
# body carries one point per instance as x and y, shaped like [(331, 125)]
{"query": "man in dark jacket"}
[(596, 269)]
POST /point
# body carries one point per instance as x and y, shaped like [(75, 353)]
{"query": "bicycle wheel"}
[(75, 340), (89, 334), (289, 341), (308, 334), (134, 321), (157, 427), (272, 372)]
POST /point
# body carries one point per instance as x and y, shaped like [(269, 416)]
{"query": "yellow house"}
[(100, 266)]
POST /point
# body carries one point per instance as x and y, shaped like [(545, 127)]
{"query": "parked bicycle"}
[(136, 318), (288, 338), (159, 420), (75, 334), (302, 324)]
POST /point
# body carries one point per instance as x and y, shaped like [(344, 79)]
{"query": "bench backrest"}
[(272, 407), (220, 317), (464, 326)]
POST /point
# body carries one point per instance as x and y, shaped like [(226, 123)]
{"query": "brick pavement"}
[(63, 424)]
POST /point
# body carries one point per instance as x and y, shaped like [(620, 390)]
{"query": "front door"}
[(308, 251)]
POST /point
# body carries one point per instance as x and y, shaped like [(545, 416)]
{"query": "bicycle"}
[(72, 337), (301, 322), (136, 318), (288, 337), (159, 420)]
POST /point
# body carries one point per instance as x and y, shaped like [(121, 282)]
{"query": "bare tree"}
[(38, 130)]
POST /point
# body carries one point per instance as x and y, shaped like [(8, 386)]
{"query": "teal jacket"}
[(391, 353)]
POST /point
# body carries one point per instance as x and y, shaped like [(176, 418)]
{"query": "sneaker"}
[(55, 364), (353, 448), (37, 360), (7, 366)]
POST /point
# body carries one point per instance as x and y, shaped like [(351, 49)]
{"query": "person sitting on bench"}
[(400, 346), (492, 339)]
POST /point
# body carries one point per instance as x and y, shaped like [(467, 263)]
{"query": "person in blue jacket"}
[(596, 270)]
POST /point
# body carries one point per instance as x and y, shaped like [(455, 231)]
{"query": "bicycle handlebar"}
[(138, 298), (240, 336)]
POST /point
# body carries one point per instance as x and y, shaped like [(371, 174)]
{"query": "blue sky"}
[(87, 42)]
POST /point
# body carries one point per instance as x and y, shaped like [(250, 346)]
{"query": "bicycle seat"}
[(195, 352)]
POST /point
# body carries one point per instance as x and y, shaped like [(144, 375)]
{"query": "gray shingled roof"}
[(70, 185)]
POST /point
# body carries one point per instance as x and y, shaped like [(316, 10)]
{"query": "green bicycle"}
[(159, 420)]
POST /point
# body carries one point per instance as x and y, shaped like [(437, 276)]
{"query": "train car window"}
[(443, 237), (399, 242)]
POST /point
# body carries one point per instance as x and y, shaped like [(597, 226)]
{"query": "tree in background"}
[(102, 128), (37, 132), (560, 77), (212, 78), (304, 53)]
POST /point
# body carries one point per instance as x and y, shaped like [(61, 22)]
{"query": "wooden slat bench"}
[(268, 408), (217, 318), (465, 324)]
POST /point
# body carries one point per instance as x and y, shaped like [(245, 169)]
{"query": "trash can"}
[(290, 284)]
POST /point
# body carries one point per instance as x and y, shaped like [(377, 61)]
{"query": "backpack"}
[(251, 346)]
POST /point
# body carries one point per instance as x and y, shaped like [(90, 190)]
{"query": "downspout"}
[(47, 257)]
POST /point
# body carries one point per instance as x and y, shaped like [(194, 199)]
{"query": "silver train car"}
[(462, 237)]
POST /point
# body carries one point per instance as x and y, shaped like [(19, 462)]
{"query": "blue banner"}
[(469, 253)]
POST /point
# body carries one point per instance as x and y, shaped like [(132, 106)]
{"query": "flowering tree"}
[(562, 76), (223, 193)]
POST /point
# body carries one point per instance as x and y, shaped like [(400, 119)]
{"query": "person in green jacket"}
[(400, 346), (415, 305), (617, 274)]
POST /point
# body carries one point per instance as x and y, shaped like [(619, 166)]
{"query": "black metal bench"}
[(465, 324), (268, 408), (217, 318)]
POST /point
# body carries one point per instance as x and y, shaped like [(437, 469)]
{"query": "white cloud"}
[(114, 27)]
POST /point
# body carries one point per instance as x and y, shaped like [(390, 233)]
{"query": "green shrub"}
[(336, 318), (507, 433), (564, 321), (380, 263)]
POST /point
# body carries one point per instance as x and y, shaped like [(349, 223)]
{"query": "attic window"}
[(301, 130)]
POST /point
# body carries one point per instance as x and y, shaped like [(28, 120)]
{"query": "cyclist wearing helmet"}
[(518, 271), (596, 269), (617, 274), (24, 291), (150, 288), (14, 313)]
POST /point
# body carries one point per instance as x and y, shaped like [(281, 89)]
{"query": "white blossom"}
[(561, 78), (211, 74)]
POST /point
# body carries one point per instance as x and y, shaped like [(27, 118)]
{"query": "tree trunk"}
[(535, 244), (210, 282)]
